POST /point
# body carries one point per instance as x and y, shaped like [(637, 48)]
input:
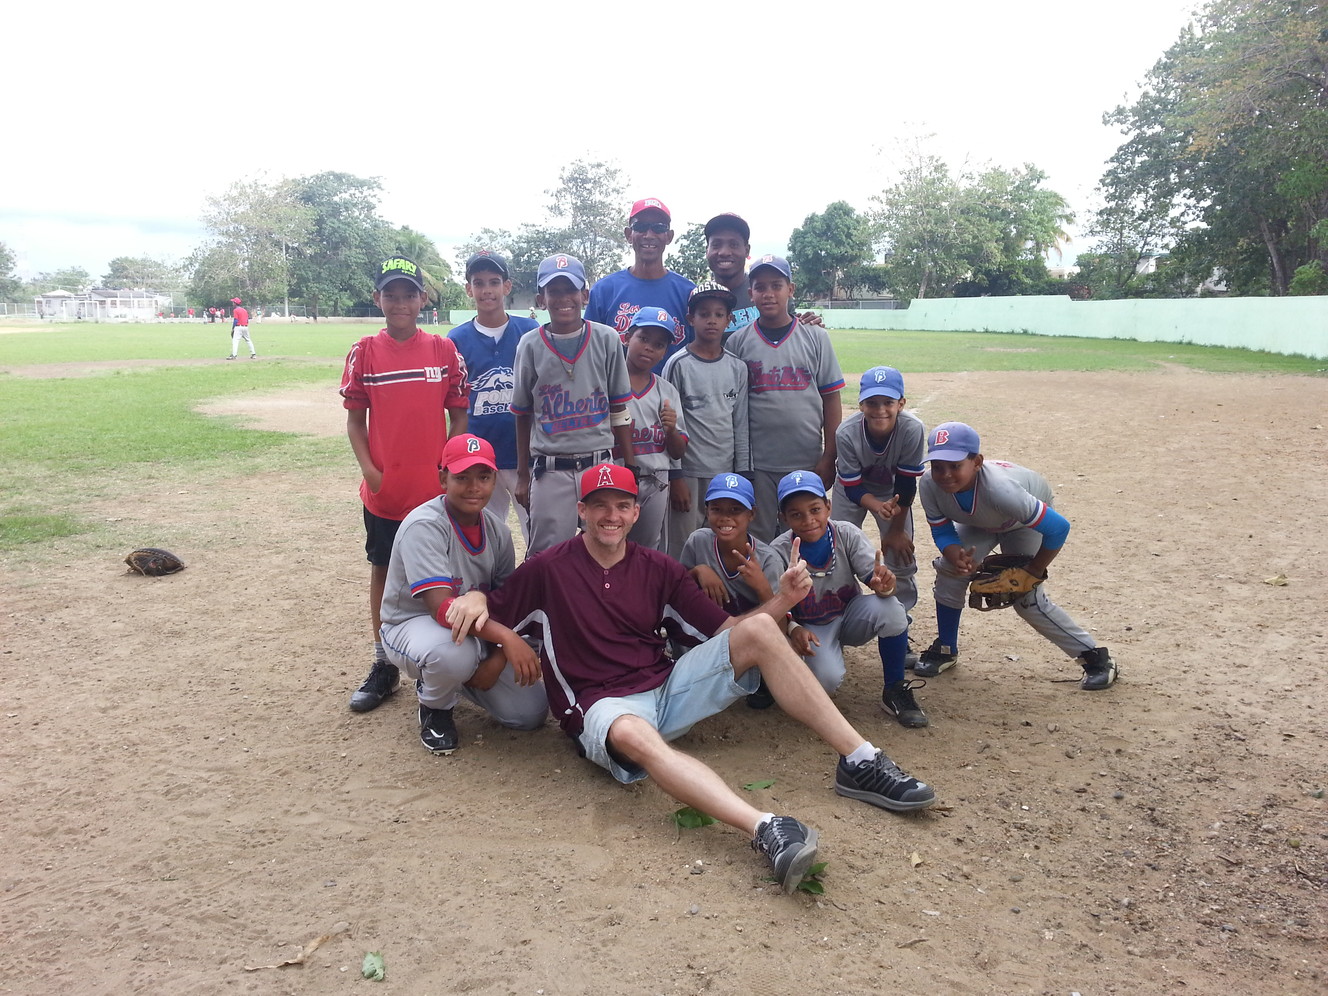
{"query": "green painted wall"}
[(1276, 324)]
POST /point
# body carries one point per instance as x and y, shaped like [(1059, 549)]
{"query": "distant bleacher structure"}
[(103, 304)]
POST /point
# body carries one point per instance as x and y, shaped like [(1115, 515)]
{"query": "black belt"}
[(581, 462)]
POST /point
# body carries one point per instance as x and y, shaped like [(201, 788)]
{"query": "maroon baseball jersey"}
[(601, 627)]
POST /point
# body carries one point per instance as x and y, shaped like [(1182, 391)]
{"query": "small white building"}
[(103, 304)]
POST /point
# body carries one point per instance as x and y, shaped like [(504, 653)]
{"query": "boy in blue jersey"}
[(615, 299), (488, 345), (974, 505)]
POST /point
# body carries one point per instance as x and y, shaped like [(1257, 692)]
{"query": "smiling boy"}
[(488, 345), (835, 614), (659, 430), (444, 548), (570, 402), (794, 384), (615, 299), (712, 386), (399, 389), (973, 506)]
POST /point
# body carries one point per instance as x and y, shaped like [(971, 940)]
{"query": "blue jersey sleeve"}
[(1054, 528), (945, 535)]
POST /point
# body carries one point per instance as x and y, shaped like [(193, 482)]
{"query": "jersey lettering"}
[(492, 391), (785, 378), (559, 412)]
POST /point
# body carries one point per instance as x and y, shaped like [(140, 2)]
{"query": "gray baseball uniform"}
[(1008, 501), (859, 463), (701, 548), (649, 442), (714, 396), (836, 610), (566, 384), (786, 381), (431, 551)]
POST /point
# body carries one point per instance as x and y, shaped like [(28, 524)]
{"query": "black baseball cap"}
[(487, 259), (728, 222), (399, 268)]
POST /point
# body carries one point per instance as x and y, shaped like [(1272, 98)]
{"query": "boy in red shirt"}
[(412, 381)]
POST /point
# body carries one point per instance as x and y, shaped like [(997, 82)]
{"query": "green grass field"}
[(105, 432)]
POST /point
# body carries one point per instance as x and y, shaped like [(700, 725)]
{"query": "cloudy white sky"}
[(132, 114)]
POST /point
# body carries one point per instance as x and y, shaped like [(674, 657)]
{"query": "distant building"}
[(103, 304)]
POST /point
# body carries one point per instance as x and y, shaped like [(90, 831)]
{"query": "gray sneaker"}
[(935, 659), (790, 847), (881, 783)]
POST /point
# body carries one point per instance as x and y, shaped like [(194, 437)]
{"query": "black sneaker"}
[(899, 703), (438, 732), (381, 683), (761, 698), (790, 846), (1099, 669), (880, 782), (935, 659)]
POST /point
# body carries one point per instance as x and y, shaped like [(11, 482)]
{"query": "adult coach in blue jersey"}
[(488, 345), (615, 299)]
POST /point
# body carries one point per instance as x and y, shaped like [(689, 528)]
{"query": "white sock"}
[(379, 653), (864, 753), (762, 819)]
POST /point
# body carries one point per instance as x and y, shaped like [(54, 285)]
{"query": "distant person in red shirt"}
[(240, 330)]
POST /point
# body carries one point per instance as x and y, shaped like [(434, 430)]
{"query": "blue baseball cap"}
[(776, 263), (881, 382), (800, 480), (648, 314), (487, 259), (561, 265), (733, 486), (952, 441)]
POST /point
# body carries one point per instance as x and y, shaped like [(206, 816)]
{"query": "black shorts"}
[(380, 533)]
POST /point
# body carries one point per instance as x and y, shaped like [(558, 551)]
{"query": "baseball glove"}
[(1001, 580), (153, 562)]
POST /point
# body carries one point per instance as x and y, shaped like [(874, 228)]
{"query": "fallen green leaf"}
[(755, 786), (688, 818), (811, 885), (374, 968)]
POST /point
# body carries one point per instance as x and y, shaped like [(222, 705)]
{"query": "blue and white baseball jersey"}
[(1006, 496), (615, 300), (490, 364), (859, 463)]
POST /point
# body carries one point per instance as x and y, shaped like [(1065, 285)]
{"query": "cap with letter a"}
[(607, 475)]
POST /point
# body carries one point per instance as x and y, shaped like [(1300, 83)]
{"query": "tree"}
[(826, 247), (74, 279), (9, 282), (1019, 223), (588, 201), (1228, 134), (255, 229), (525, 250), (332, 268), (443, 290), (140, 273), (687, 255)]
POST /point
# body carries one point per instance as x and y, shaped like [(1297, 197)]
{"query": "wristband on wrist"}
[(441, 614)]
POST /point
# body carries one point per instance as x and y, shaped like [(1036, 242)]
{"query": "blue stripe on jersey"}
[(831, 388), (1037, 515), (484, 536), (852, 481), (910, 471), (423, 585), (1054, 529)]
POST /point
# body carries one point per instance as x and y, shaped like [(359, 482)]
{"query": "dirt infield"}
[(187, 794)]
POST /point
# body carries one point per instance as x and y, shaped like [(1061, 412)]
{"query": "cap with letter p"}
[(561, 265), (733, 486), (607, 475), (399, 268), (800, 480), (649, 203), (465, 451), (777, 263), (881, 382), (952, 441)]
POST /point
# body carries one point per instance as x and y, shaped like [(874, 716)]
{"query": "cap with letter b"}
[(399, 268), (733, 486), (952, 441), (881, 382), (777, 263), (561, 265)]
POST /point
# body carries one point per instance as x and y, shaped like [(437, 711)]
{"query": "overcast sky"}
[(134, 113)]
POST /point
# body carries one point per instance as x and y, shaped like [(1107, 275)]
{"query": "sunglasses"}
[(658, 227)]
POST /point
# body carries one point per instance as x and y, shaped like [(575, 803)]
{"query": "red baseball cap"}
[(465, 451), (235, 300), (608, 475), (646, 203)]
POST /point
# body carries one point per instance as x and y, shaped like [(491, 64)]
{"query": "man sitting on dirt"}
[(602, 600)]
